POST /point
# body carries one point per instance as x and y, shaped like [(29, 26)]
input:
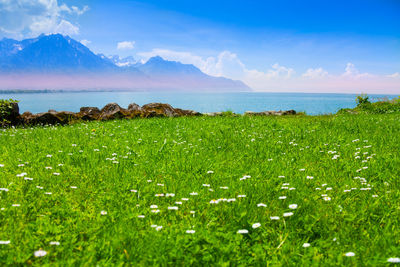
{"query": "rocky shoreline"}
[(113, 111)]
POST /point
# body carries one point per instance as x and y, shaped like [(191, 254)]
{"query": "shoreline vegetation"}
[(9, 112)]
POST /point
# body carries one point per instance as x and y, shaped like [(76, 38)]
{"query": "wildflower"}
[(209, 172), (54, 243), (15, 205), (282, 197), (153, 207), (194, 194), (224, 187), (40, 253), (48, 193), (49, 156), (281, 176), (261, 205), (160, 184), (310, 177), (293, 206), (141, 216), (133, 190), (350, 254), (178, 203), (4, 189), (173, 208), (287, 214), (48, 168), (103, 212), (155, 211), (231, 200), (22, 174), (169, 194), (159, 195), (241, 196), (306, 245), (274, 218), (190, 231), (256, 225), (1, 165), (243, 231), (28, 179), (327, 198), (158, 228), (394, 260), (2, 242), (302, 170), (39, 187), (185, 199), (213, 201)]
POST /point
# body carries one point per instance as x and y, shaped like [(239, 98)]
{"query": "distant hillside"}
[(77, 67)]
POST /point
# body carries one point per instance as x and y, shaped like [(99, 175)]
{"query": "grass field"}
[(203, 191)]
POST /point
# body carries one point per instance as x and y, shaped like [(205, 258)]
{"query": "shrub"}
[(362, 99), (6, 109)]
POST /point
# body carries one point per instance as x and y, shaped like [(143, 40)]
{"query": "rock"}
[(213, 114), (134, 110), (289, 112), (270, 113), (134, 107), (187, 112), (89, 113), (41, 118), (158, 110), (49, 118), (112, 111)]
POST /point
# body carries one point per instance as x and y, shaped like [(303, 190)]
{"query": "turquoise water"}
[(312, 104)]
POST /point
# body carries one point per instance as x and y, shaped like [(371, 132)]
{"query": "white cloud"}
[(126, 45), (226, 64), (394, 75), (85, 42), (281, 78), (27, 18), (315, 73), (352, 72)]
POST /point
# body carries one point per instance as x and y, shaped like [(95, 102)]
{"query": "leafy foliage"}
[(382, 106), (5, 110)]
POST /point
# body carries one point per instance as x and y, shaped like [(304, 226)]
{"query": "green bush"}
[(362, 99), (5, 110)]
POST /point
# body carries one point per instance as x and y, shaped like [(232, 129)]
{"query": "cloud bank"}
[(126, 45), (28, 18), (284, 78)]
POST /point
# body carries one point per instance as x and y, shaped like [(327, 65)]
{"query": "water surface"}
[(312, 104)]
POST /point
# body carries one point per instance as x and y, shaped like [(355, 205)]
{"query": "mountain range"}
[(60, 62)]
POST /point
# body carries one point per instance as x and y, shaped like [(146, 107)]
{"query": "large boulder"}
[(89, 113), (112, 111), (134, 110), (186, 112), (158, 110), (270, 113), (51, 117)]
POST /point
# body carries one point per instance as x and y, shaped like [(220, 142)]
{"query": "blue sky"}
[(264, 43)]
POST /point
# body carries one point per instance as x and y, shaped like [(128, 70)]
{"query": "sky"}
[(308, 46)]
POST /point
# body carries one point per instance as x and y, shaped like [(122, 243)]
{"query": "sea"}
[(311, 103)]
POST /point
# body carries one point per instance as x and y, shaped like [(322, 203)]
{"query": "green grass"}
[(106, 160)]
